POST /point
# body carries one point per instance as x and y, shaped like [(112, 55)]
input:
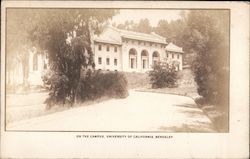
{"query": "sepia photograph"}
[(117, 79), (152, 70)]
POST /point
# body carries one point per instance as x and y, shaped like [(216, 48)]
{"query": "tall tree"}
[(67, 36), (208, 36), (172, 31), (143, 26), (68, 57)]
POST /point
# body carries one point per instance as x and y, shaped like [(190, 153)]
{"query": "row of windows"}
[(168, 54), (107, 48), (107, 61), (143, 43)]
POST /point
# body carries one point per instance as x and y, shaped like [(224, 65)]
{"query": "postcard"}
[(116, 79)]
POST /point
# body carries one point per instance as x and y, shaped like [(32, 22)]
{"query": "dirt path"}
[(141, 111)]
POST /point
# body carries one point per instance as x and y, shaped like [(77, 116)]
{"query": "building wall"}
[(123, 57), (37, 62), (104, 54), (139, 47), (173, 56)]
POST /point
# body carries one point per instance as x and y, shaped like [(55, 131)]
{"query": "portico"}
[(128, 51)]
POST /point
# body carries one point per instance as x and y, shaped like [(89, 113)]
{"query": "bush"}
[(92, 85), (58, 84), (163, 75), (96, 84)]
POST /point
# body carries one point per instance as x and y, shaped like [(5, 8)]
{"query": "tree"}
[(172, 31), (208, 36), (66, 35), (128, 25), (143, 26)]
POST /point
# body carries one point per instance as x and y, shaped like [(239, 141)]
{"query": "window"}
[(172, 55), (115, 48), (154, 62), (178, 56), (45, 66), (107, 61), (99, 60), (143, 63), (99, 47), (167, 54), (35, 62), (107, 47), (132, 63), (115, 62)]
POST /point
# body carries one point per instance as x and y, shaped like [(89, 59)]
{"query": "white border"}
[(234, 144)]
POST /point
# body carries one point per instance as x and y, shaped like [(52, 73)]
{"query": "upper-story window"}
[(115, 48), (178, 56), (166, 54), (172, 55), (99, 47), (107, 47), (115, 62)]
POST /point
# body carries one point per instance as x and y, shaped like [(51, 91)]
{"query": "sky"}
[(153, 15)]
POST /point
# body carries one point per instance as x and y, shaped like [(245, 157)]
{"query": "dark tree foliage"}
[(66, 35), (96, 84), (208, 37), (143, 26), (173, 31), (163, 75)]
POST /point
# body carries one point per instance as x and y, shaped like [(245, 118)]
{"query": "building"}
[(38, 64), (174, 55), (114, 50), (128, 51)]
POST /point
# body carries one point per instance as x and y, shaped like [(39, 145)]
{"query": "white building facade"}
[(38, 64), (128, 51), (114, 50)]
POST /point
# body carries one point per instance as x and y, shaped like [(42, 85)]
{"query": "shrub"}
[(163, 75), (96, 84), (92, 85), (58, 85)]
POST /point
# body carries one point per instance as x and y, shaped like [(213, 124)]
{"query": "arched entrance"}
[(132, 58), (144, 59), (156, 57)]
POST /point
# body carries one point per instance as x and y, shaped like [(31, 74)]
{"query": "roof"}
[(174, 48), (107, 40), (115, 36)]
